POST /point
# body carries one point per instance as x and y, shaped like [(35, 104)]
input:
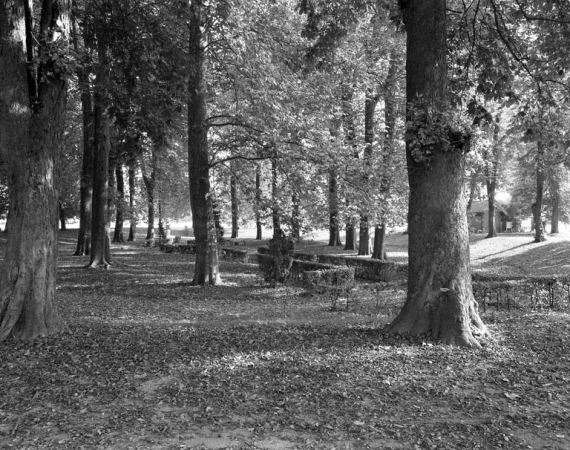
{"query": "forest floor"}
[(151, 362)]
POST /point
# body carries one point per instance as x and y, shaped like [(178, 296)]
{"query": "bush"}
[(334, 281)]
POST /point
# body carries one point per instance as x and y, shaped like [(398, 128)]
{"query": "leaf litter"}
[(151, 362)]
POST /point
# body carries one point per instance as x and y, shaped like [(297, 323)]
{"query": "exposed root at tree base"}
[(99, 265)]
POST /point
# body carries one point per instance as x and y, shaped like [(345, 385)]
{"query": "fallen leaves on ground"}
[(151, 362)]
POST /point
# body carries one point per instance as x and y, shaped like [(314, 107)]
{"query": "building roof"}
[(483, 206)]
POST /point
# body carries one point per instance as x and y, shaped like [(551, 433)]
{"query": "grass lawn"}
[(151, 362)]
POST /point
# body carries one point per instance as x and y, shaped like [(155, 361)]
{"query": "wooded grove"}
[(359, 117)]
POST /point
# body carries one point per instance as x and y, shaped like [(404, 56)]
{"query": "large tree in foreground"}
[(207, 264), (32, 106), (440, 299)]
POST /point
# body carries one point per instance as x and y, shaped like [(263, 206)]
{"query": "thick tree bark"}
[(380, 243), (539, 232), (440, 299), (350, 236), (132, 193), (258, 224), (100, 255), (120, 215), (334, 229), (234, 201), (86, 189), (207, 265), (32, 108)]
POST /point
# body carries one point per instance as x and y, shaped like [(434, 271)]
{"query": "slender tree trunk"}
[(207, 265), (258, 224), (334, 229), (491, 188), (539, 232), (295, 218), (150, 183), (234, 201), (120, 215), (555, 213), (491, 173), (61, 209), (217, 216), (473, 181), (112, 187), (369, 110), (151, 213), (390, 88), (440, 298), (32, 109), (275, 213), (86, 189), (132, 193), (161, 229), (350, 136), (100, 255)]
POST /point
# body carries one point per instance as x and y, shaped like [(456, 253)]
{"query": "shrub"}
[(334, 281)]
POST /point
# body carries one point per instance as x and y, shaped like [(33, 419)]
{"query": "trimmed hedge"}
[(234, 254), (535, 292), (364, 268), (339, 278)]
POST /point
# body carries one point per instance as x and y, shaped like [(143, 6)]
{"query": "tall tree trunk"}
[(491, 173), (491, 188), (334, 229), (112, 186), (275, 213), (440, 299), (119, 235), (100, 255), (350, 140), (369, 110), (32, 109), (132, 193), (390, 88), (555, 213), (258, 224), (234, 200), (539, 233), (207, 265), (217, 212), (150, 183), (86, 188), (295, 218), (473, 181), (61, 210)]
